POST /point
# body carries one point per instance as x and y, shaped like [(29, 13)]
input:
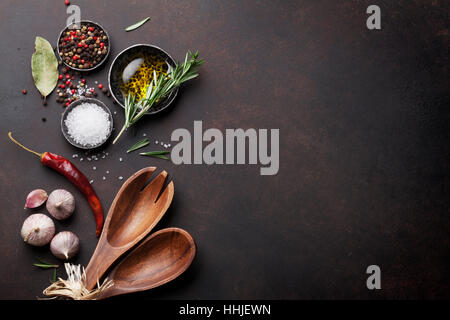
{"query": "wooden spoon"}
[(134, 212), (162, 257)]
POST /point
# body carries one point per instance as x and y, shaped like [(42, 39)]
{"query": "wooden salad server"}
[(135, 211), (160, 258)]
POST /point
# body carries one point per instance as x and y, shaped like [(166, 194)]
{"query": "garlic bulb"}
[(38, 230), (61, 204), (65, 245), (36, 198)]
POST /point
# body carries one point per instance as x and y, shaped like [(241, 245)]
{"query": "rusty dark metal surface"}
[(364, 139)]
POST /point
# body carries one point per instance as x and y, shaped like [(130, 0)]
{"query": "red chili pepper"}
[(70, 171)]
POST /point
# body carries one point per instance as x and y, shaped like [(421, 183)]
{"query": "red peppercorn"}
[(66, 2), (86, 46), (100, 86), (75, 57), (83, 61), (83, 80), (24, 91), (72, 33), (63, 86), (91, 29), (67, 76), (68, 83), (83, 37), (79, 44), (73, 91), (92, 90), (67, 104), (60, 77), (102, 44), (73, 78)]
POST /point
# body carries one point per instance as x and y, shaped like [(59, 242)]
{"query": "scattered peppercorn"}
[(100, 86), (72, 87), (24, 91), (66, 2)]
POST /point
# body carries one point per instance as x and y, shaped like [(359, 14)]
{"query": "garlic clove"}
[(60, 204), (36, 198), (65, 245), (37, 230)]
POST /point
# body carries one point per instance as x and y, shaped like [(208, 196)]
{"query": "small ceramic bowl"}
[(123, 59), (72, 106), (88, 24)]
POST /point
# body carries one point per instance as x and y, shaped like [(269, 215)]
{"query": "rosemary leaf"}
[(45, 266), (156, 154), (138, 145), (137, 24), (152, 153), (54, 275), (161, 157)]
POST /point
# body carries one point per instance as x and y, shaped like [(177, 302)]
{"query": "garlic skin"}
[(36, 198), (65, 245), (37, 230), (60, 204)]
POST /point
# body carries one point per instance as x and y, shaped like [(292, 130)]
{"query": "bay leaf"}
[(44, 67)]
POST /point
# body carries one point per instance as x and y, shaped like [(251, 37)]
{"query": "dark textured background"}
[(364, 139)]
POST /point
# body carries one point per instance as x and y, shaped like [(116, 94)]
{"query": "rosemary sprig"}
[(156, 154), (140, 144), (159, 88)]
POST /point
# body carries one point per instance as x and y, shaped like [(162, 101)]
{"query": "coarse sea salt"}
[(88, 124)]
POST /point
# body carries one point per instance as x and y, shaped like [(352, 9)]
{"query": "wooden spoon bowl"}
[(162, 257), (135, 211)]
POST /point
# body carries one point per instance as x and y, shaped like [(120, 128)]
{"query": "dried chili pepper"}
[(70, 171)]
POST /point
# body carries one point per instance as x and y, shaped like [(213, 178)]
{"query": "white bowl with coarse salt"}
[(87, 123)]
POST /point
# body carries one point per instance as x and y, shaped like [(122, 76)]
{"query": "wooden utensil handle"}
[(101, 260)]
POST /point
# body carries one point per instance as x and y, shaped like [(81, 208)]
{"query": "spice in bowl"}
[(87, 124), (138, 74), (83, 47), (133, 71)]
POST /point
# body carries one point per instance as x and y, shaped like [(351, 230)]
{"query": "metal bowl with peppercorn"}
[(83, 46)]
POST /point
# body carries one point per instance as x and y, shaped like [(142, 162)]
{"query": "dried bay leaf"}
[(44, 67)]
